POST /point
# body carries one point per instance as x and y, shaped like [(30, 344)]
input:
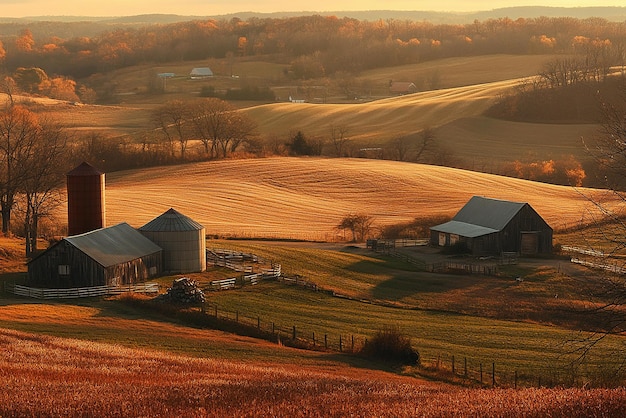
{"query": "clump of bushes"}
[(391, 346)]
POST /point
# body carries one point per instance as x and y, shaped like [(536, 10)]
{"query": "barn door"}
[(530, 243)]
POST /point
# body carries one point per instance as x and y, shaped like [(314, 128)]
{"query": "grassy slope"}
[(307, 197)]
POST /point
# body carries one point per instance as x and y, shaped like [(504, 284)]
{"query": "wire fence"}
[(446, 366)]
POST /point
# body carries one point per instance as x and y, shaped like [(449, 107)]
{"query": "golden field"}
[(50, 376), (291, 197)]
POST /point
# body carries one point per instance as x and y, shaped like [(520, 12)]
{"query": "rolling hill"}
[(306, 198), (383, 119)]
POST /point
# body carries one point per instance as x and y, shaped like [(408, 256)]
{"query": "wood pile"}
[(184, 290)]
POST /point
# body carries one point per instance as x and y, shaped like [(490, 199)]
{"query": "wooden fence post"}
[(453, 371), (258, 322), (273, 328), (237, 316), (340, 344), (493, 374), (515, 386), (465, 366), (352, 344), (481, 373), (325, 340), (313, 338), (216, 311), (294, 332)]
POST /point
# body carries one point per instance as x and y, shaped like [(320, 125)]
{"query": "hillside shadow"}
[(403, 285), (409, 281)]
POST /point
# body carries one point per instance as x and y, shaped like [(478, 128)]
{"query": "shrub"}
[(391, 346)]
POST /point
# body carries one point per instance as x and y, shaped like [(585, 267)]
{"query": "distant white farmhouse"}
[(200, 72)]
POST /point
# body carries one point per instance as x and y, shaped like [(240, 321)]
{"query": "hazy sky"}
[(21, 8)]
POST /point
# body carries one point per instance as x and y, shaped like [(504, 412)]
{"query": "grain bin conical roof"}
[(84, 169), (172, 221)]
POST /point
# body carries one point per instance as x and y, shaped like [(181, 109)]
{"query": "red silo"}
[(85, 199)]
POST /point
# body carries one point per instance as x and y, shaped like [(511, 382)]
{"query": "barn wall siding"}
[(85, 272)]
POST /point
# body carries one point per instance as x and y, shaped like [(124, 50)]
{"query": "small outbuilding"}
[(492, 227), (200, 72), (402, 87), (114, 256), (183, 241)]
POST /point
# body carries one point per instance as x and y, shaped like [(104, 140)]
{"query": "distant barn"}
[(402, 87), (491, 226), (200, 72), (114, 256)]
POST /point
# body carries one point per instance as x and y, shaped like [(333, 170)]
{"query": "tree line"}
[(314, 45)]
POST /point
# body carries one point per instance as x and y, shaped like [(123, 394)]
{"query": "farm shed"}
[(113, 256), (402, 87), (200, 72), (491, 226), (183, 241)]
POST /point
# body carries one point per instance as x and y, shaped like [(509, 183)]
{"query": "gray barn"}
[(491, 226), (114, 256)]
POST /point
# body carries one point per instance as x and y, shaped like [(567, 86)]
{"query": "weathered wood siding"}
[(84, 271)]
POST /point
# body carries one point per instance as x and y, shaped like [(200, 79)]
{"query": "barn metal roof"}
[(463, 229), (490, 213), (114, 245), (481, 216), (201, 72), (172, 221)]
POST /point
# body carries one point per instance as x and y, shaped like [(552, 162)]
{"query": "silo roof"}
[(114, 245), (85, 169), (172, 221)]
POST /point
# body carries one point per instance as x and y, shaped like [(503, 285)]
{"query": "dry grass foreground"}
[(50, 376), (305, 198)]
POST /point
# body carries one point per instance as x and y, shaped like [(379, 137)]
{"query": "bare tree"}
[(609, 227), (358, 224), (19, 131), (40, 190), (425, 144), (339, 138), (170, 118), (219, 126)]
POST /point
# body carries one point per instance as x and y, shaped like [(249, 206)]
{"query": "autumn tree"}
[(29, 79), (60, 88)]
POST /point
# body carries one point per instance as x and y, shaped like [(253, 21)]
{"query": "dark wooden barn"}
[(114, 256), (492, 227)]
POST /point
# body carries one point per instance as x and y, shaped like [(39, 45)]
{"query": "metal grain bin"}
[(182, 239)]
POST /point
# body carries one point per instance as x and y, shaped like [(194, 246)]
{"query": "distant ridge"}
[(612, 13)]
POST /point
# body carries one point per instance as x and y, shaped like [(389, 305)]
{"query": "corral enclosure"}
[(306, 198)]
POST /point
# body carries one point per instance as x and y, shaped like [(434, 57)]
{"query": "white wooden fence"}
[(224, 284), (81, 292)]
